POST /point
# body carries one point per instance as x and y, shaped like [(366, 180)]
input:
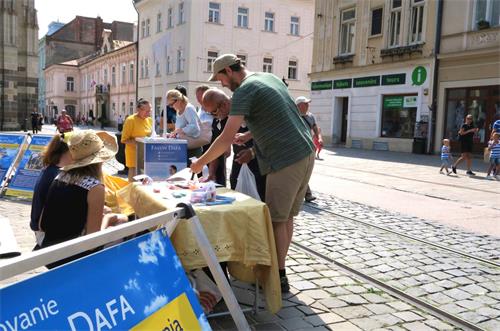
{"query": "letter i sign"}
[(418, 76)]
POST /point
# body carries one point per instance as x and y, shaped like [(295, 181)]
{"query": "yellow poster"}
[(175, 316)]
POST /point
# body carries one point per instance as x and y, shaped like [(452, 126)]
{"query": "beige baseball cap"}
[(225, 60), (302, 99)]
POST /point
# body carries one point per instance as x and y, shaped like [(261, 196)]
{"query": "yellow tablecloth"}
[(240, 233)]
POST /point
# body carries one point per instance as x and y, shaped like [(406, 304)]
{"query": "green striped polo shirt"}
[(280, 135)]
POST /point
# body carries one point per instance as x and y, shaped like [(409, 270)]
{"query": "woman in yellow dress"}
[(138, 125)]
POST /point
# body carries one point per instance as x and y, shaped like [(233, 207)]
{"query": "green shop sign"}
[(418, 76), (392, 102), (396, 79), (342, 83), (323, 85), (367, 81)]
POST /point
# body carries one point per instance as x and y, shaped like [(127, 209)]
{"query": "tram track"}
[(413, 238), (456, 321)]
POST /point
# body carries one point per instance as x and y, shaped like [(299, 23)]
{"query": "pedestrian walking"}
[(64, 123), (466, 136), (283, 143), (446, 157), (120, 123), (494, 148), (34, 121)]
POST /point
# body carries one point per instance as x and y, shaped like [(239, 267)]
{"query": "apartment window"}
[(131, 73), (113, 107), (170, 18), (417, 20), (158, 74), (292, 69), (147, 27), (210, 60), (267, 65), (105, 74), (294, 25), (146, 68), (142, 69), (242, 17), (395, 24), (243, 59), (124, 74), (182, 17), (376, 24), (70, 84), (487, 10), (113, 76), (214, 12), (169, 65), (269, 22), (143, 29), (347, 29), (131, 108), (158, 22), (180, 60)]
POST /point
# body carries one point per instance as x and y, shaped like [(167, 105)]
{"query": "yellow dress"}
[(134, 127)]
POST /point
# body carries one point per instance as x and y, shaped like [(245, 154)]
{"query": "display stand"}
[(167, 219), (160, 158)]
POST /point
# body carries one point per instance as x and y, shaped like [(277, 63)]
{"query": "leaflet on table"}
[(137, 285), (23, 182), (9, 148), (163, 159)]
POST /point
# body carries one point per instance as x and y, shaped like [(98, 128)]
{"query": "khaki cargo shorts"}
[(286, 188)]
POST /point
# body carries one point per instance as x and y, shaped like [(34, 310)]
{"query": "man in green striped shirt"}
[(283, 143)]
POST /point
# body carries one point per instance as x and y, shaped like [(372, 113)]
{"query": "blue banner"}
[(9, 148), (164, 159), (30, 167), (137, 285)]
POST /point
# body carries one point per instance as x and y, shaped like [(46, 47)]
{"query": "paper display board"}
[(137, 285), (160, 158), (9, 148), (24, 180)]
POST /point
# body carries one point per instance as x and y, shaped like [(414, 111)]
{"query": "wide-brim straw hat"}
[(90, 147)]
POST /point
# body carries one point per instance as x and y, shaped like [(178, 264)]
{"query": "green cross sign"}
[(418, 76)]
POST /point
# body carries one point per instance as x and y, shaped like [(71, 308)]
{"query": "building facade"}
[(18, 62), (100, 87), (53, 27), (469, 70), (179, 40), (372, 71)]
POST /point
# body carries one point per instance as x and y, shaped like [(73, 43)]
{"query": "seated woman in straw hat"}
[(75, 202)]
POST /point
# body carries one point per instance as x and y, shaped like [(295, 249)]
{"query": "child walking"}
[(445, 157), (494, 147)]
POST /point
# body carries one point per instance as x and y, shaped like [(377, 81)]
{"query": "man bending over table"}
[(283, 143)]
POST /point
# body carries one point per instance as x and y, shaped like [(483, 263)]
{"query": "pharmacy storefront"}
[(382, 111)]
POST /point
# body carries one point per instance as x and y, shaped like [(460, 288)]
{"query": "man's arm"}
[(220, 144)]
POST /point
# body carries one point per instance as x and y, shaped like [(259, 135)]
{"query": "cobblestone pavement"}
[(456, 284)]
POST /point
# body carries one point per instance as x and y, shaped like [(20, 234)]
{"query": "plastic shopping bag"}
[(246, 182)]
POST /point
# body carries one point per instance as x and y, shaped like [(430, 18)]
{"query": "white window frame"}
[(146, 68), (417, 8), (488, 15), (214, 11), (131, 107), (113, 76), (158, 22), (142, 69), (158, 69), (293, 67), (269, 21), (131, 73), (180, 60), (170, 18), (267, 64), (143, 29), (168, 68), (381, 21), (242, 18), (70, 84), (105, 76), (124, 74), (395, 18), (148, 26), (211, 56), (295, 26), (347, 46), (182, 13)]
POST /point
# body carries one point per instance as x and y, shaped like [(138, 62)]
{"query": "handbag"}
[(203, 139), (246, 182), (486, 155)]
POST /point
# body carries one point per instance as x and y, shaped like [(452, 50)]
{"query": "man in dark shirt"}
[(466, 136)]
